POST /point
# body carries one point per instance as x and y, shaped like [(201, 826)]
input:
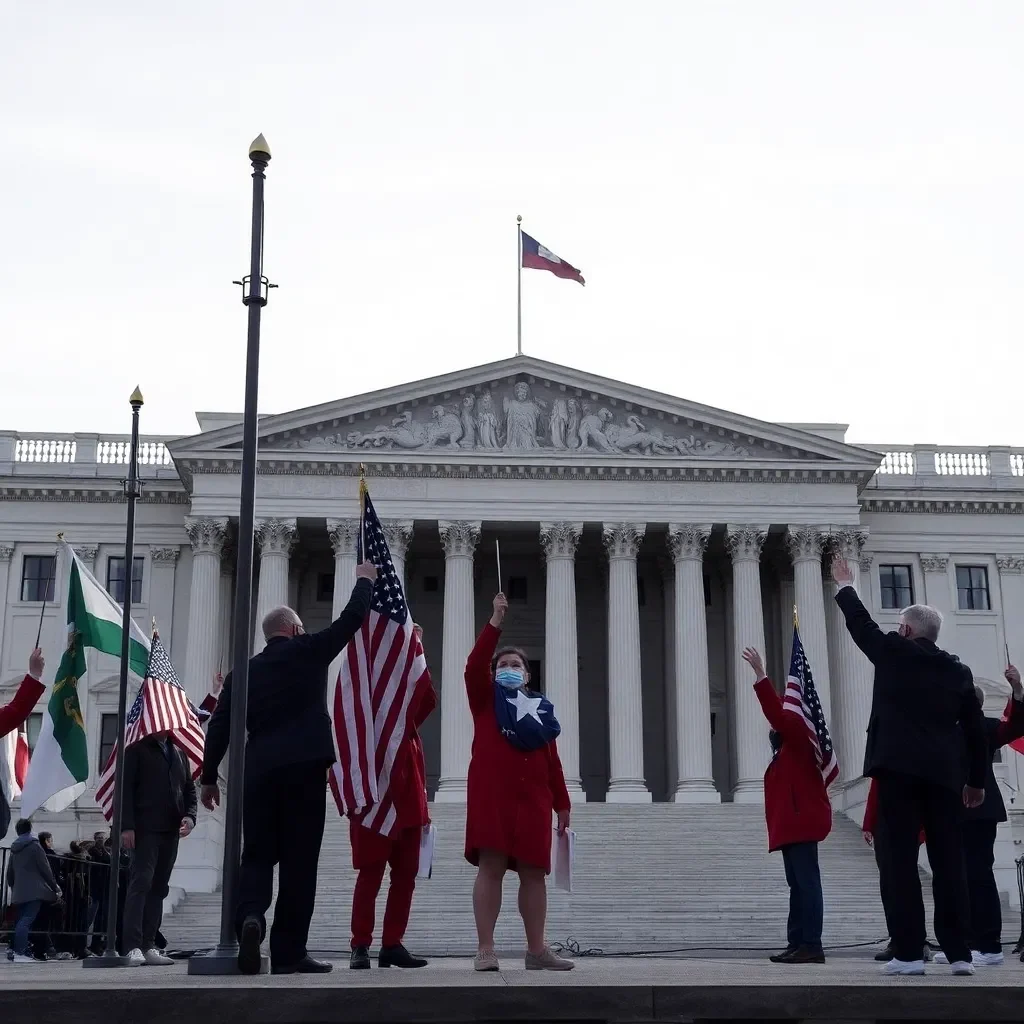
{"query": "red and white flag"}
[(14, 763), (383, 678)]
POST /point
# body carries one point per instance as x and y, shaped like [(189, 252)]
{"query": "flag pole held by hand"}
[(497, 560)]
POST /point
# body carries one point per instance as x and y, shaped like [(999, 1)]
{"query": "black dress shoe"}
[(885, 955), (802, 955), (398, 956), (780, 958), (249, 946), (307, 965), (360, 959)]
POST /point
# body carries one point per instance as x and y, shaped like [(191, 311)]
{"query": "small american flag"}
[(161, 707), (802, 699), (383, 678)]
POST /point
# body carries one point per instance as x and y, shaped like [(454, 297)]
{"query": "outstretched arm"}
[(14, 714), (771, 702), (326, 645), (862, 628)]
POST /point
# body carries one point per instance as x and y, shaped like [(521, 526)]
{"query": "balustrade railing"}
[(110, 451), (933, 466)]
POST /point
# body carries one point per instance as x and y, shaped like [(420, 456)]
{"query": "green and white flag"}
[(59, 768)]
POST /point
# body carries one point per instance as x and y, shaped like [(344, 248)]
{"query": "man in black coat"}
[(925, 734), (289, 750), (158, 808)]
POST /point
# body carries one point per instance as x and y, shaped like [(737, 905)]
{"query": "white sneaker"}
[(136, 958), (961, 968), (904, 967), (20, 958), (156, 959), (986, 959), (941, 959)]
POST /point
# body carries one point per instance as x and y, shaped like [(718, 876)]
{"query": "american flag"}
[(802, 699), (383, 678), (161, 707)]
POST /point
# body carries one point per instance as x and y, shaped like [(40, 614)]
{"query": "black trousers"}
[(282, 824), (148, 883), (986, 913), (905, 804), (806, 908)]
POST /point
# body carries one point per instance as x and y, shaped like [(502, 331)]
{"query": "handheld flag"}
[(802, 699)]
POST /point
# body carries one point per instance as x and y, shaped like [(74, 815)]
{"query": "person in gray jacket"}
[(32, 885)]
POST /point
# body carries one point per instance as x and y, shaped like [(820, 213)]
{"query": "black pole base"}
[(222, 961), (106, 960)]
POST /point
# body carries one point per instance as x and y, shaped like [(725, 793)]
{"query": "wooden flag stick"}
[(497, 559)]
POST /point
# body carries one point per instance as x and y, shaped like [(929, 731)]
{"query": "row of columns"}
[(847, 715)]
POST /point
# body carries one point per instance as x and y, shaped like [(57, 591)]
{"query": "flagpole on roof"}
[(519, 285)]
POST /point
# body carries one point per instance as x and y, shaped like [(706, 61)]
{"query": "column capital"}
[(164, 556), (744, 541), (6, 552), (934, 563), (849, 543), (1010, 564), (688, 540), (398, 534), (560, 540), (866, 561), (805, 543), (623, 540), (459, 537), (206, 534), (343, 534), (276, 536), (86, 552)]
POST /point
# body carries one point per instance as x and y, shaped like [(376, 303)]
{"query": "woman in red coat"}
[(799, 816), (515, 781)]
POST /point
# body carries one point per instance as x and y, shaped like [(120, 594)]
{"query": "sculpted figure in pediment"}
[(592, 429), (634, 436), (487, 423), (405, 432), (558, 422), (468, 422), (522, 412)]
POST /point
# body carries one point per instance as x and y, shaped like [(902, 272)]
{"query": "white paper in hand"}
[(427, 837), (564, 855)]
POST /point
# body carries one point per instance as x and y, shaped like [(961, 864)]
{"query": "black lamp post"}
[(133, 491), (255, 288)]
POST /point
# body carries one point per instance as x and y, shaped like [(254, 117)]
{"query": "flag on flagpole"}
[(802, 699), (14, 757), (161, 708), (59, 768), (382, 680), (538, 257)]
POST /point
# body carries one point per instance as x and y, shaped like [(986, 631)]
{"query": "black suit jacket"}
[(925, 718), (158, 790), (998, 734), (286, 711)]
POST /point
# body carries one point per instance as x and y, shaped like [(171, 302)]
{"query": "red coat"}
[(14, 714), (512, 792), (408, 786), (796, 804)]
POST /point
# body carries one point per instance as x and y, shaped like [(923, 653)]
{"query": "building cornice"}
[(949, 506), (73, 492)]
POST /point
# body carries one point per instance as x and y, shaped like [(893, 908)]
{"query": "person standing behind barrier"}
[(33, 887)]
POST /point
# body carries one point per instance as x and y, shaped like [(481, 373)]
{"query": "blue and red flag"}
[(539, 257)]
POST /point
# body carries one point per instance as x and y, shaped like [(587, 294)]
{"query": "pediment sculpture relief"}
[(520, 422)]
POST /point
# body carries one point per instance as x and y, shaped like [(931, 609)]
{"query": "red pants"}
[(402, 853)]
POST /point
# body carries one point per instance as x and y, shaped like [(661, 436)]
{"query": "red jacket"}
[(14, 714), (796, 804)]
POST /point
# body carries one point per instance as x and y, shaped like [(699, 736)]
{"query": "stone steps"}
[(656, 877)]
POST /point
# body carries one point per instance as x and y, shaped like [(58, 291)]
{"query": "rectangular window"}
[(325, 587), (115, 578), (33, 725), (897, 586), (37, 577), (972, 588), (108, 737), (516, 588)]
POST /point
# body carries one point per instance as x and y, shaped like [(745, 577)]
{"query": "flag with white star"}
[(526, 719), (802, 699)]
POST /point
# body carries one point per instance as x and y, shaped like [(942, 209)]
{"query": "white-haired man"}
[(288, 751), (923, 709)]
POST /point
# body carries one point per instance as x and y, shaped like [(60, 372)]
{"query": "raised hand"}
[(36, 664), (366, 571), (1012, 676), (500, 606), (752, 656), (841, 571)]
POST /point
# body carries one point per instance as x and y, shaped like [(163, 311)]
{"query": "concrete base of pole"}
[(222, 961), (106, 960)]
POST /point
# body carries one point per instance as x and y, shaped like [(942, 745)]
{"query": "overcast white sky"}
[(793, 210)]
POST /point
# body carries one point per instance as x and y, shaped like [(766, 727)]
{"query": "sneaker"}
[(486, 960), (941, 959), (136, 958), (21, 958), (157, 959), (961, 968), (986, 959), (548, 960), (904, 967)]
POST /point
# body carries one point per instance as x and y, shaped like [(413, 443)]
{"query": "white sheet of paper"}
[(427, 838), (564, 855)]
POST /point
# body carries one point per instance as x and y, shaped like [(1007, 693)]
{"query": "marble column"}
[(459, 540), (6, 554), (627, 783), (398, 534), (695, 785), (750, 731), (207, 538), (667, 572), (343, 534), (853, 674), (162, 565), (805, 547), (1011, 593), (225, 642), (561, 654), (276, 539)]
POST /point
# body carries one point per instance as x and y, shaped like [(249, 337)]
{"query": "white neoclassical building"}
[(644, 541)]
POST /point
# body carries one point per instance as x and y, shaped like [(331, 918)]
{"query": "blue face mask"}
[(510, 678)]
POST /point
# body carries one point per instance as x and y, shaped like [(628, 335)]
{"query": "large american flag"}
[(161, 707), (383, 678), (802, 699)]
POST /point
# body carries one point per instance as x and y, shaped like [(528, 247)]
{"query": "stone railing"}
[(80, 453), (935, 466)]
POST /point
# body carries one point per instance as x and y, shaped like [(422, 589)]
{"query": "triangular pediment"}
[(527, 408)]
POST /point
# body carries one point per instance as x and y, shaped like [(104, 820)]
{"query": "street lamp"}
[(223, 959)]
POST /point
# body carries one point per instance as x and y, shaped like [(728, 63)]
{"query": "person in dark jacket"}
[(924, 730), (799, 816), (33, 887), (158, 809), (289, 750)]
